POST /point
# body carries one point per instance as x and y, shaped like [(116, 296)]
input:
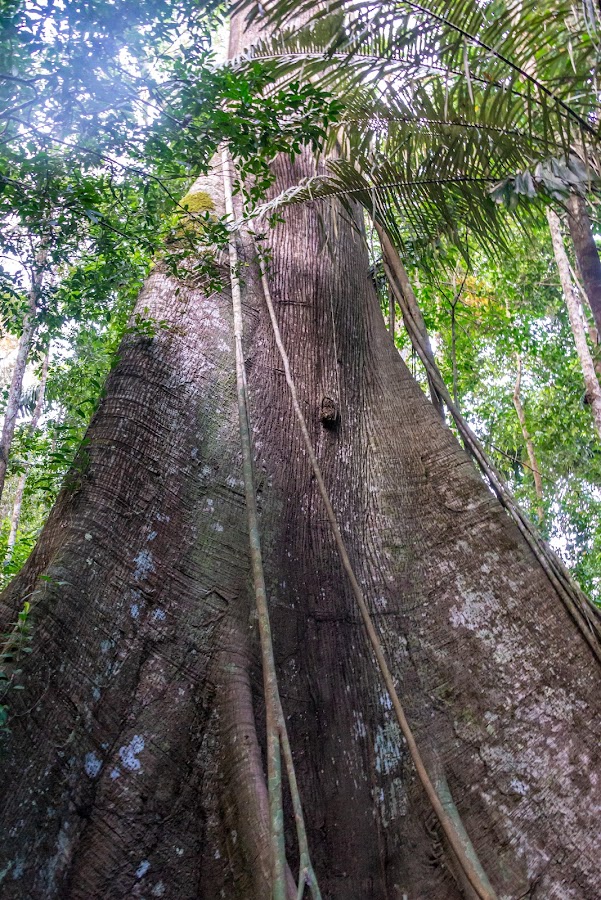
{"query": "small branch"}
[(37, 412)]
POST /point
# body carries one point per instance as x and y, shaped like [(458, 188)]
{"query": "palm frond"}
[(440, 102)]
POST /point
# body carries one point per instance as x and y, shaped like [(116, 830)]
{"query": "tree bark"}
[(586, 252), (18, 501), (134, 763), (14, 394), (517, 402), (591, 382)]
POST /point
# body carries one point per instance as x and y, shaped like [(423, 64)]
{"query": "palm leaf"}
[(440, 103)]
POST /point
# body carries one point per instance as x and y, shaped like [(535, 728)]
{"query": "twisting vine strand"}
[(277, 733)]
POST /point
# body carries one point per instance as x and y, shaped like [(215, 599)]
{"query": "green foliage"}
[(14, 644)]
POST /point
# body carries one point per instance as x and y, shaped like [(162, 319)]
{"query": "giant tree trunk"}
[(133, 766), (587, 254)]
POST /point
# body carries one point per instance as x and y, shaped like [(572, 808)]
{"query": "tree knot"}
[(328, 412)]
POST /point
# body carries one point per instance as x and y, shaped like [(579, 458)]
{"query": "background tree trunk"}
[(37, 412), (587, 254), (14, 394), (517, 402), (16, 383), (591, 383), (133, 766)]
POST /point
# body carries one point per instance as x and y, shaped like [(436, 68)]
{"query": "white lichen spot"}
[(387, 747), (179, 851), (87, 536), (158, 890), (142, 869), (162, 517), (96, 694), (158, 615), (519, 787), (129, 753), (151, 536), (144, 565), (134, 611), (385, 701), (359, 729), (92, 765), (217, 526), (115, 773), (105, 646)]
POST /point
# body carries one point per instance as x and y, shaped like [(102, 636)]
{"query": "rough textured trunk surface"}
[(134, 763), (587, 253)]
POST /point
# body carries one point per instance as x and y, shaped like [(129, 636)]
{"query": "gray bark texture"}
[(134, 761)]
